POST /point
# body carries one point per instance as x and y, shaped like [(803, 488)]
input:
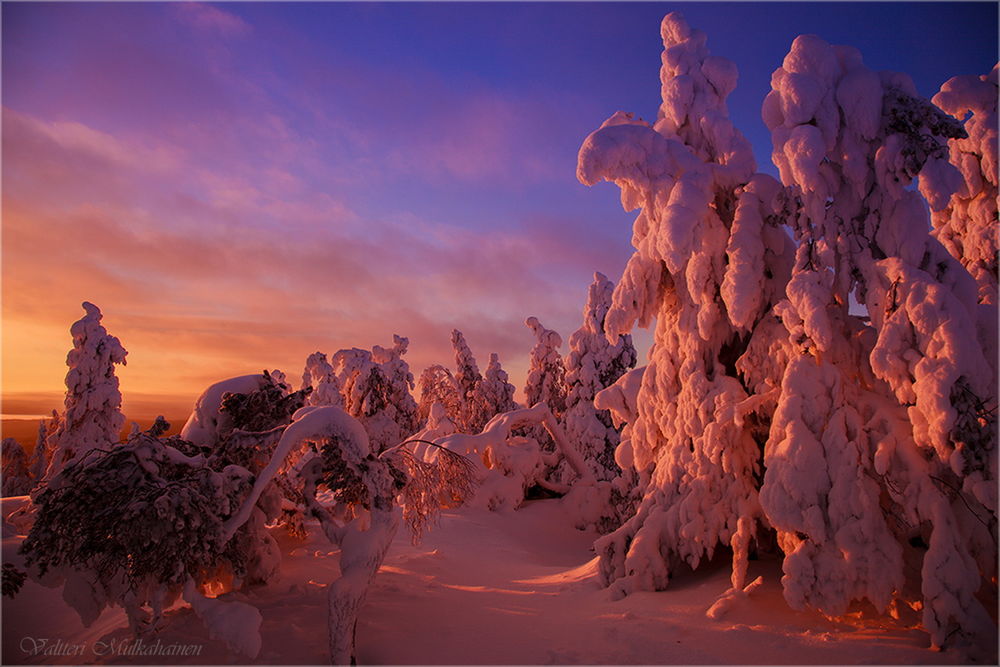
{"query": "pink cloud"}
[(200, 288)]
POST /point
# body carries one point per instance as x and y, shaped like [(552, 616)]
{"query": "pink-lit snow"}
[(487, 588)]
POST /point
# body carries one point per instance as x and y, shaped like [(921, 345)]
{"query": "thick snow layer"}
[(487, 588), (203, 426)]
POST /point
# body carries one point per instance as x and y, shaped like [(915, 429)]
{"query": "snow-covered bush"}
[(208, 423), (593, 363), (16, 475), (869, 448), (92, 415)]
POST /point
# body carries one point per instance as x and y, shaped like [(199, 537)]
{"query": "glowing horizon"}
[(239, 185)]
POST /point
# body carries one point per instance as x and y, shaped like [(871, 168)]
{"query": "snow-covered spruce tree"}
[(437, 385), (546, 373), (869, 471), (710, 261), (42, 455), (320, 376), (467, 379), (92, 416), (376, 388), (401, 384), (593, 363), (509, 464), (848, 142), (16, 475), (494, 395)]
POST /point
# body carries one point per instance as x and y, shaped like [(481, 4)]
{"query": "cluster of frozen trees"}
[(140, 523), (865, 445)]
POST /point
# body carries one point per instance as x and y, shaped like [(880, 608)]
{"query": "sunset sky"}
[(237, 185)]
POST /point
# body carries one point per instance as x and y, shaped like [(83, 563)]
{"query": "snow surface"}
[(492, 588)]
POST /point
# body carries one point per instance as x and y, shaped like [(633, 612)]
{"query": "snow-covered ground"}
[(487, 588)]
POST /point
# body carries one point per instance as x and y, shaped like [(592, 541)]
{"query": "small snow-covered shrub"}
[(17, 480)]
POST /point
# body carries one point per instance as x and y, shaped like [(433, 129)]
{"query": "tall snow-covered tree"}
[(467, 379), (848, 142), (494, 395), (594, 363), (397, 373), (92, 416), (866, 451), (967, 224)]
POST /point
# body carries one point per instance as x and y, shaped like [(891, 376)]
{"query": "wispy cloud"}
[(212, 18), (253, 270)]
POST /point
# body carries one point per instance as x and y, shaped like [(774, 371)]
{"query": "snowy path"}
[(488, 588)]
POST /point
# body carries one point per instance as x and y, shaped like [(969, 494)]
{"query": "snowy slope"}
[(492, 588)]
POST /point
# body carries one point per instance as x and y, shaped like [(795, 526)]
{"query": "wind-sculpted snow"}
[(868, 447)]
